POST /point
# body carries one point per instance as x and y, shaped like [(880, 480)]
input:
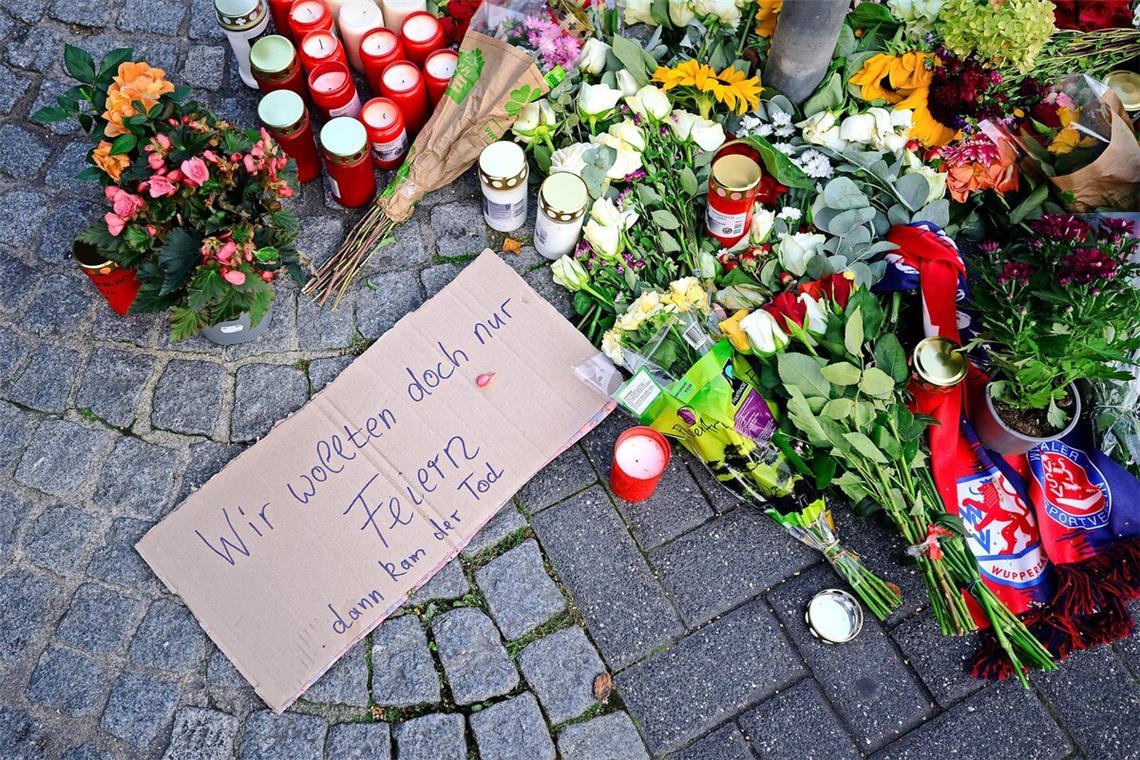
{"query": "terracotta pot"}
[(1000, 438), (238, 330)]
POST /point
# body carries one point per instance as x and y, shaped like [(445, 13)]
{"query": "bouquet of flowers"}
[(196, 205)]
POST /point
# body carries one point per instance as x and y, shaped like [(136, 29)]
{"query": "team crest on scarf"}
[(1001, 531), (1076, 493)]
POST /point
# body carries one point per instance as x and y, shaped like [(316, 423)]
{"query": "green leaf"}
[(582, 302), (184, 323), (262, 299), (665, 219), (1055, 416), (668, 243), (1031, 203), (912, 190), (876, 383), (124, 144), (49, 114), (629, 53), (841, 373), (689, 181), (111, 62), (842, 193), (800, 414), (853, 333), (852, 486), (824, 468), (891, 358), (838, 408), (542, 158), (863, 445), (803, 373), (179, 256), (78, 63), (780, 166), (828, 97)]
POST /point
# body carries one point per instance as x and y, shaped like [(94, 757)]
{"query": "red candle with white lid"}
[(386, 132), (379, 48), (274, 63), (641, 455), (734, 183), (283, 115), (438, 69), (402, 84), (422, 35), (321, 47), (344, 142), (333, 90), (309, 16)]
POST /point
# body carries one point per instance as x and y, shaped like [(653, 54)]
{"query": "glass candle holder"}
[(438, 70), (275, 66), (562, 202), (333, 91), (379, 48), (422, 35), (402, 84), (344, 142), (309, 16), (321, 47), (734, 183), (117, 285), (243, 21), (284, 116), (386, 132), (641, 456), (356, 19), (502, 176)]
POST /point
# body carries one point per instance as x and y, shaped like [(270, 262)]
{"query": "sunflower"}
[(685, 74), (767, 13), (893, 77), (736, 90), (731, 87), (924, 127)]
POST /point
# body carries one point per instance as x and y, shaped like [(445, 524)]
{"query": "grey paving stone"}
[(556, 295), (58, 538), (87, 752), (527, 258), (68, 162), (459, 229), (319, 237), (13, 510), (61, 230), (25, 599), (726, 743), (465, 187), (228, 690), (33, 48), (345, 683), (568, 474), (448, 583), (112, 383), (474, 661), (561, 669), (519, 593), (188, 397), (12, 87), (324, 371), (205, 66), (437, 277), (722, 499), (625, 609), (325, 327), (82, 12), (159, 16), (512, 730), (716, 567), (97, 620), (202, 734), (403, 672), (60, 456), (437, 736), (13, 349), (204, 21), (407, 252), (1088, 689), (46, 379), (264, 394), (22, 152), (207, 458), (798, 722), (359, 741), (117, 561), (169, 638), (390, 297), (13, 432), (67, 681), (292, 735), (59, 307), (506, 522), (138, 477), (50, 89), (21, 734), (708, 676), (139, 708), (138, 329), (1003, 721), (607, 737), (939, 660), (19, 281), (865, 679)]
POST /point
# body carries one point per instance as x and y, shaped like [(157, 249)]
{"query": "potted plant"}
[(1055, 309), (196, 204)]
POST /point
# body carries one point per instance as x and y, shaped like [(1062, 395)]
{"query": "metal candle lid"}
[(563, 197), (1126, 85), (272, 54), (834, 616), (240, 15), (344, 137), (280, 109), (940, 361), (734, 175), (502, 165)]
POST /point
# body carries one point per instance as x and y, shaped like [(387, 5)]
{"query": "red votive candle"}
[(734, 183), (386, 132), (402, 84), (379, 48), (119, 286), (641, 455), (321, 47), (344, 142), (438, 70), (274, 64), (279, 9), (422, 35), (309, 16), (283, 114), (333, 90)]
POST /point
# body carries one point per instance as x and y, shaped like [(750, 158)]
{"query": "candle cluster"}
[(396, 45)]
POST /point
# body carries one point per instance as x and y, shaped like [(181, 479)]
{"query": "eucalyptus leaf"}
[(912, 190), (898, 215), (630, 54), (842, 193), (937, 212), (845, 222)]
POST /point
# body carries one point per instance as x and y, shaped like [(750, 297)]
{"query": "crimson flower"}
[(834, 288), (1056, 227), (1015, 270), (788, 310)]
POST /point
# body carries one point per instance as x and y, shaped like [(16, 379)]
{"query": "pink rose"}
[(226, 252), (160, 186), (115, 223), (234, 277), (110, 192), (195, 171), (155, 161), (127, 205)]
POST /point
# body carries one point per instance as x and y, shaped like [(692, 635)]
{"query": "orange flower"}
[(112, 165), (136, 82), (893, 77), (767, 13), (980, 164)]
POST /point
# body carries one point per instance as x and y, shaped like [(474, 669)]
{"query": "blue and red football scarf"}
[(1051, 529)]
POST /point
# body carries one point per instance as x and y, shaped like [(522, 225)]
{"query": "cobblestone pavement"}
[(690, 603)]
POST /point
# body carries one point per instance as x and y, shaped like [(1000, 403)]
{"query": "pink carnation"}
[(234, 277), (195, 171)]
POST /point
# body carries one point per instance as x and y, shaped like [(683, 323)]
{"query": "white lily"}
[(626, 83), (858, 128), (605, 212), (815, 318), (535, 121), (628, 157), (822, 129), (637, 12), (680, 12), (629, 132), (724, 10), (708, 135), (604, 239), (763, 221), (597, 100)]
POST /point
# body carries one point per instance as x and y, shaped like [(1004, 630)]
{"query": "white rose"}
[(631, 133), (596, 100), (764, 334), (762, 222), (936, 180), (725, 10), (628, 158), (626, 83), (798, 249), (708, 135), (859, 128), (593, 57), (637, 12), (815, 318), (534, 120), (822, 129), (650, 102), (604, 239), (902, 119), (605, 212), (680, 12), (570, 159)]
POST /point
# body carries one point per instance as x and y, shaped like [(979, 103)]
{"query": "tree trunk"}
[(805, 37)]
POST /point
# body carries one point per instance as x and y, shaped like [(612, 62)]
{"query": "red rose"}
[(788, 310), (1065, 14), (1103, 14), (833, 288)]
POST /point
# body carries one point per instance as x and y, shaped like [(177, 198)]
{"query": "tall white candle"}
[(334, 7), (243, 21), (395, 11), (356, 19)]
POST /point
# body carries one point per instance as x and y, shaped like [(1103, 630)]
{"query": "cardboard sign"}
[(311, 537)]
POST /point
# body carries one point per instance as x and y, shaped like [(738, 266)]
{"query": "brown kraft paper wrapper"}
[(1113, 179)]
